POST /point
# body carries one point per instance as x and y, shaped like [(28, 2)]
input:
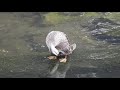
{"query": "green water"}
[(23, 50)]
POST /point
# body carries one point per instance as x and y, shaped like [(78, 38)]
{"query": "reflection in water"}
[(58, 70)]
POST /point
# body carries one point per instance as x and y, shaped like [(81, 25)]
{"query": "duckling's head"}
[(67, 50)]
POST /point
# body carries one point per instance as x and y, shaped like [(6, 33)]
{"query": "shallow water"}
[(23, 52)]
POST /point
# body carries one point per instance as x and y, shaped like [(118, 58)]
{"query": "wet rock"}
[(100, 27)]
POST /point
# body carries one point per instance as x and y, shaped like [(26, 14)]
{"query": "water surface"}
[(23, 52)]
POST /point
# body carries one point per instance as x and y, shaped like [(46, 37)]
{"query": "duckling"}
[(58, 44)]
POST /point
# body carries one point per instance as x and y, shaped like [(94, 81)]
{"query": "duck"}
[(58, 43)]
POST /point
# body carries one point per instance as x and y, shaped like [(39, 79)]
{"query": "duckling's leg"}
[(64, 60), (52, 57)]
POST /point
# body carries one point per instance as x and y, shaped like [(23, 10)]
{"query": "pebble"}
[(42, 46), (4, 51)]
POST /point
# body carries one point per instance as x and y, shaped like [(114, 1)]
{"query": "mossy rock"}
[(115, 16), (57, 18)]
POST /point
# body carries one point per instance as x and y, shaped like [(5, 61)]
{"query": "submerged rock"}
[(101, 29)]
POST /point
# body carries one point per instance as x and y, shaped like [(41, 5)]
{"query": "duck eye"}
[(61, 53)]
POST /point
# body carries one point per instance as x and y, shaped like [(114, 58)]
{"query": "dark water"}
[(23, 52)]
